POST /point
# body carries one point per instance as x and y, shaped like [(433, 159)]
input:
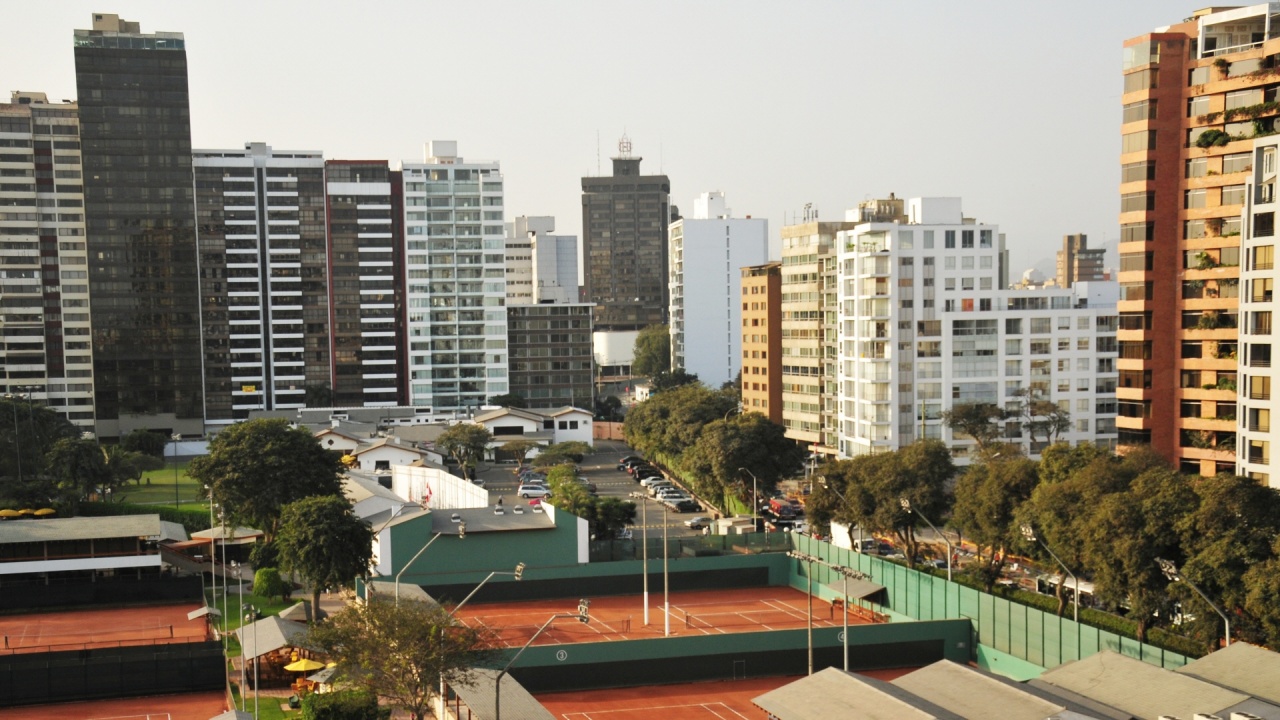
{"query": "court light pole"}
[(249, 617), (175, 437), (236, 565), (644, 550), (462, 533), (906, 505), (666, 584), (1029, 534), (518, 575), (810, 560), (1171, 572), (583, 616), (847, 573)]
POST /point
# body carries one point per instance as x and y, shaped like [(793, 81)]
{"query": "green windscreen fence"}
[(1027, 633)]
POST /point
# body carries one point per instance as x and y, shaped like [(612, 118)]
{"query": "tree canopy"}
[(255, 468), (145, 441), (652, 352), (322, 541), (400, 651), (465, 443), (509, 400)]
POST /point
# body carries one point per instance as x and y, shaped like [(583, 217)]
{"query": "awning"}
[(858, 589), (323, 676), (516, 701), (206, 610)]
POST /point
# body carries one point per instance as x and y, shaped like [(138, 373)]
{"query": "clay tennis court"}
[(700, 612), (83, 629), (725, 700)]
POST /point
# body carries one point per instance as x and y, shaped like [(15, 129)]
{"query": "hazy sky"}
[(1014, 106)]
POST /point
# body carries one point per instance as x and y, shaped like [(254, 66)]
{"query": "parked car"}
[(672, 495), (533, 491), (658, 487), (697, 522), (623, 534), (590, 486), (651, 473), (653, 480), (478, 481), (685, 506)]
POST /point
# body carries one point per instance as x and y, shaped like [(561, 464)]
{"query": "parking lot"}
[(601, 468)]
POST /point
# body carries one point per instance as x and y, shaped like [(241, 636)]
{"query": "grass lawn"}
[(157, 487), (268, 707), (267, 606)]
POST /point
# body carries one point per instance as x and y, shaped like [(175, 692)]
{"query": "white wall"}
[(447, 491), (614, 348), (390, 453), (581, 434)]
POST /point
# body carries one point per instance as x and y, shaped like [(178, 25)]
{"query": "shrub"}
[(264, 554), (192, 520), (343, 705), (268, 583)]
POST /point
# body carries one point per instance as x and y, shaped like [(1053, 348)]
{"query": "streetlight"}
[(666, 585), (1171, 572), (644, 550), (847, 573), (377, 535), (13, 401), (462, 533), (755, 495), (518, 575), (810, 560), (583, 616), (822, 480), (1029, 534), (250, 617), (175, 437), (906, 505), (235, 565)]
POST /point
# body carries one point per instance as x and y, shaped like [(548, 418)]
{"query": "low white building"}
[(544, 426), (707, 253), (383, 454), (925, 322)]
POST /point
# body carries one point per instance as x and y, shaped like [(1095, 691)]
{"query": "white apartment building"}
[(1257, 308), (707, 253), (45, 350), (542, 267), (925, 321), (455, 280)]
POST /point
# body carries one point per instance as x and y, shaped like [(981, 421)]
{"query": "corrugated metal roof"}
[(80, 528), (972, 694), (833, 693), (1242, 666), (269, 634), (517, 703), (1143, 690)]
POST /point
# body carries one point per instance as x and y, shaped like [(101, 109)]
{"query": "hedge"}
[(192, 520), (343, 705)]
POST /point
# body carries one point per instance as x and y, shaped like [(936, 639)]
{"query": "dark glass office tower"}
[(624, 238), (140, 221)]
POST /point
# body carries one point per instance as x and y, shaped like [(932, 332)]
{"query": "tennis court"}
[(188, 706), (700, 612), (97, 628)]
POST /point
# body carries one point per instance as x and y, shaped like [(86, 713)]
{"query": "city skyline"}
[(913, 121)]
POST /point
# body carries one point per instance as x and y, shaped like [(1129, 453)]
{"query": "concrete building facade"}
[(550, 354), (1253, 350), (925, 322), (1076, 262), (762, 340), (455, 278), (45, 330), (706, 254), (541, 266)]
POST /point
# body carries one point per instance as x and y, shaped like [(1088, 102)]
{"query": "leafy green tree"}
[(510, 400), (322, 541), (255, 468), (399, 652), (76, 468), (652, 352), (518, 449), (1261, 584), (608, 407), (28, 431), (146, 442), (670, 379), (610, 515), (1231, 531), (127, 466), (268, 583), (671, 422), (567, 493), (1042, 417), (1128, 530), (465, 443), (874, 485), (341, 705), (987, 496), (747, 440), (571, 451), (980, 421)]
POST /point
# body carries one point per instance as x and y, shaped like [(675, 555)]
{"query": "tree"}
[(988, 495), (341, 705), (748, 440), (571, 451), (610, 515), (652, 353), (510, 400), (1262, 586), (670, 379), (399, 652), (318, 395), (28, 431), (567, 493), (146, 442), (255, 468), (76, 468), (465, 443), (608, 407), (323, 542), (518, 449), (980, 421), (124, 465), (268, 583), (1042, 417)]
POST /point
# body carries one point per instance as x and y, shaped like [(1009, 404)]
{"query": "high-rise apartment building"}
[(1252, 351), (366, 283), (264, 278), (455, 280), (762, 340), (45, 338), (1195, 94), (144, 285), (1077, 262), (542, 267), (808, 322), (707, 253), (549, 346), (624, 235), (925, 322)]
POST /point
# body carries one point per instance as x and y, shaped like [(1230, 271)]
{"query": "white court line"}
[(799, 615), (726, 708)]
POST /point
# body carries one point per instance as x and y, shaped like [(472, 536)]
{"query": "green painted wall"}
[(1005, 664), (479, 553)]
